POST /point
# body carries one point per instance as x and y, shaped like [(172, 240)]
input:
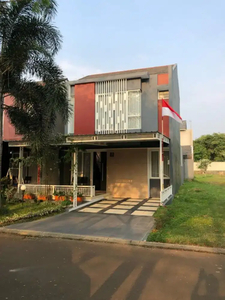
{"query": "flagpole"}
[(162, 160)]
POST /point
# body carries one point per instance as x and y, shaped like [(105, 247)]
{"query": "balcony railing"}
[(166, 195)]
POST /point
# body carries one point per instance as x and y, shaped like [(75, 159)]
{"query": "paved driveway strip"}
[(104, 225)]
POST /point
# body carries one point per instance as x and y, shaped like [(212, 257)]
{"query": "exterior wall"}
[(9, 132), (127, 173), (175, 148), (84, 109), (151, 106), (214, 167), (186, 137)]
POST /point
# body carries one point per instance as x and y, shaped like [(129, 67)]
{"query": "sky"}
[(113, 35)]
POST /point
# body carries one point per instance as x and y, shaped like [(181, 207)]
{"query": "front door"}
[(99, 170), (154, 172)]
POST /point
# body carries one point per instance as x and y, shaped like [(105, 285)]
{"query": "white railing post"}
[(75, 188)]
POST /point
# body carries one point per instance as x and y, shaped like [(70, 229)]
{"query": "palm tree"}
[(28, 44)]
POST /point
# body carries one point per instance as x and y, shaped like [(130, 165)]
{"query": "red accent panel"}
[(166, 125), (9, 132), (84, 109), (163, 79)]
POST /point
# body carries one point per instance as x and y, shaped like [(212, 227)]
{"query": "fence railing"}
[(166, 194), (41, 189)]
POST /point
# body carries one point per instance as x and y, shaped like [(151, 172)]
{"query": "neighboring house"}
[(186, 141), (117, 124)]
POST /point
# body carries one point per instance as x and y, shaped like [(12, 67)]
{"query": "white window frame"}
[(150, 164), (162, 96), (137, 115)]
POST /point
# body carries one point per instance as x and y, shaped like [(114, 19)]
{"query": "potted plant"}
[(59, 196), (29, 196), (41, 197), (79, 197)]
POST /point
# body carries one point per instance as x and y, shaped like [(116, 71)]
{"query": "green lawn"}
[(12, 213), (196, 216)]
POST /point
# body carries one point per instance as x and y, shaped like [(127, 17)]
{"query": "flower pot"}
[(59, 198), (42, 198), (79, 200), (28, 197)]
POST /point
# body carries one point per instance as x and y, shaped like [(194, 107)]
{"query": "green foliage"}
[(27, 211), (59, 193), (10, 194), (204, 163), (5, 184), (196, 216), (29, 43), (66, 202), (211, 147)]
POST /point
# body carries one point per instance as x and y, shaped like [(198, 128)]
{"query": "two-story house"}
[(116, 124)]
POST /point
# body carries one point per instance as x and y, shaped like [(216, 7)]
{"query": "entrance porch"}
[(118, 165)]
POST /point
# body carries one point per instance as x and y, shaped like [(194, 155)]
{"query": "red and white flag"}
[(167, 110)]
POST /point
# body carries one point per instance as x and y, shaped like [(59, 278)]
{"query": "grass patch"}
[(196, 216), (13, 213)]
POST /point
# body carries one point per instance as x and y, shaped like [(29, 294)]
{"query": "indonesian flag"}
[(167, 110)]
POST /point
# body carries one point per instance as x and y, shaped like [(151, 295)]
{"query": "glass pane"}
[(134, 122), (163, 95), (134, 103), (155, 164), (166, 167)]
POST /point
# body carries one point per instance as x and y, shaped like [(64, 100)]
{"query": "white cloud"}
[(75, 71)]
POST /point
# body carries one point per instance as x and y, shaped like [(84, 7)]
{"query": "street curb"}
[(32, 233)]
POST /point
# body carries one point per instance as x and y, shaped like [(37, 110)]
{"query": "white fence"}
[(166, 194), (41, 189)]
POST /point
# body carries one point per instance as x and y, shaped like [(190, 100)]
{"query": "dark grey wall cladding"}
[(133, 84), (149, 105), (175, 158)]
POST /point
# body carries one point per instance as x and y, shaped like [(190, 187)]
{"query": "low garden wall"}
[(213, 168)]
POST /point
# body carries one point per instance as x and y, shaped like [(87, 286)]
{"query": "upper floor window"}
[(163, 95), (116, 109)]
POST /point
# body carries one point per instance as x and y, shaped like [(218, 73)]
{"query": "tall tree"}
[(28, 44), (210, 147)]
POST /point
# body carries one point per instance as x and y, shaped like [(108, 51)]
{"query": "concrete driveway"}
[(105, 225)]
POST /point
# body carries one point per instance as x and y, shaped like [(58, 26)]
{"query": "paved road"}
[(51, 269), (118, 226)]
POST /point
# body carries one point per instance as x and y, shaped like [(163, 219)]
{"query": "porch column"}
[(20, 173), (75, 171), (91, 168), (161, 165)]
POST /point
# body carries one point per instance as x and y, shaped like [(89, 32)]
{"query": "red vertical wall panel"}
[(166, 128), (9, 132), (84, 109)]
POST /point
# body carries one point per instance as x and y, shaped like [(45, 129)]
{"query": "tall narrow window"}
[(155, 164), (166, 166), (134, 110)]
